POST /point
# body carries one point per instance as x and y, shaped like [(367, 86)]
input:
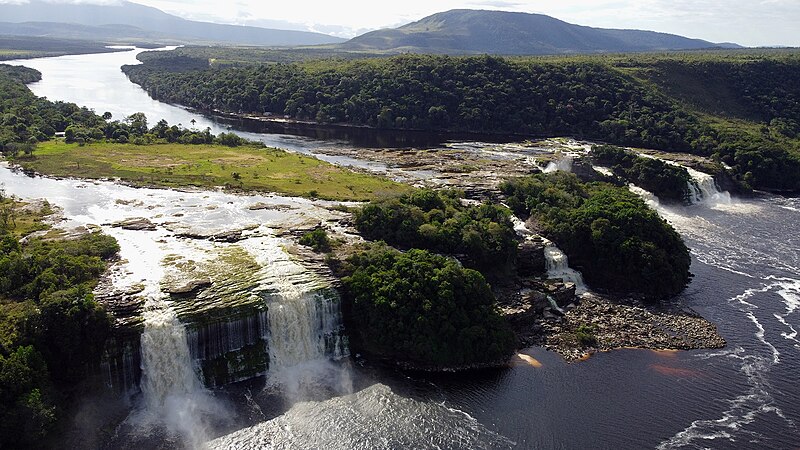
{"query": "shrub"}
[(318, 240)]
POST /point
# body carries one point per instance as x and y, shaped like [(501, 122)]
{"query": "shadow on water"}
[(361, 136)]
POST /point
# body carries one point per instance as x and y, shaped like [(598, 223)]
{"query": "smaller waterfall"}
[(562, 164), (603, 170), (703, 189), (304, 327), (558, 267)]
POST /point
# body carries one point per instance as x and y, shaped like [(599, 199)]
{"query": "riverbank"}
[(30, 47), (242, 168)]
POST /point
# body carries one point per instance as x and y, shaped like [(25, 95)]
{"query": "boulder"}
[(136, 224), (530, 258), (189, 288)]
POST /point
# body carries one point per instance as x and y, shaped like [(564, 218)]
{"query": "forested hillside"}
[(468, 31), (641, 100)]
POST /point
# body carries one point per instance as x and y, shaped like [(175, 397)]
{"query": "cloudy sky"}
[(747, 22)]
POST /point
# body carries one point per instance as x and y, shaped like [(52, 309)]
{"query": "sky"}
[(746, 22)]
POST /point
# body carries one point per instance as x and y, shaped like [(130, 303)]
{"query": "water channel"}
[(746, 265)]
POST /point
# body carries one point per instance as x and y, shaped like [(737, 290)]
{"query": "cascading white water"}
[(604, 170), (557, 266), (562, 164), (556, 261), (304, 330), (649, 198), (167, 368), (703, 189), (215, 339), (304, 326)]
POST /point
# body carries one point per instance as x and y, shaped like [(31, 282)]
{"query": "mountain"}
[(464, 31), (134, 20)]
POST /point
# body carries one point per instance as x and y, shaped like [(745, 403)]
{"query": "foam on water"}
[(722, 248), (374, 418)]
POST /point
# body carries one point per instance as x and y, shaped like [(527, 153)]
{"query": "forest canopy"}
[(424, 310), (650, 101), (609, 234)]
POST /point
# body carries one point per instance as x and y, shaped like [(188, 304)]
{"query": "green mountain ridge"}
[(465, 31)]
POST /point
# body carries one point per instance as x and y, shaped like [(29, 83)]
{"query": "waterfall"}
[(175, 401), (167, 368), (604, 170), (303, 327), (562, 164), (212, 340), (558, 267), (649, 198), (703, 189)]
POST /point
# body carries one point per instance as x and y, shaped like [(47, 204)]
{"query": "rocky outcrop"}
[(601, 324), (136, 224), (530, 258), (189, 288)]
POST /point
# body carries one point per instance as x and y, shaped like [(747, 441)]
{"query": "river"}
[(746, 262)]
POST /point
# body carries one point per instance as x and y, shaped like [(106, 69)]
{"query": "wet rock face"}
[(582, 167), (562, 293), (530, 258)]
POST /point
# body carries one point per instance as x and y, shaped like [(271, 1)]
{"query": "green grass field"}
[(8, 54), (177, 165)]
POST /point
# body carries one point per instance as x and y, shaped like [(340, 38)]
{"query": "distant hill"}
[(130, 20), (464, 31)]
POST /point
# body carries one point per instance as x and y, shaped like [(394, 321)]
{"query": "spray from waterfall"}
[(562, 164), (175, 401)]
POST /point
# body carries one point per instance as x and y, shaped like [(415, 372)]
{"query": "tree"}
[(137, 123)]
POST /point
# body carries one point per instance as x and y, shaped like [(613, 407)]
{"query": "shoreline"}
[(615, 324)]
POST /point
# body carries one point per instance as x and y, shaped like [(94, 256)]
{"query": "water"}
[(746, 264), (557, 265), (562, 164), (174, 403), (703, 189)]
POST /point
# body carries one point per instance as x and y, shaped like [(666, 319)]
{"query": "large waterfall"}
[(167, 368)]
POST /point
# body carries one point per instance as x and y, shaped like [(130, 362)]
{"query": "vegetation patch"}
[(608, 233), (423, 309), (318, 240), (175, 165), (483, 236), (52, 331)]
